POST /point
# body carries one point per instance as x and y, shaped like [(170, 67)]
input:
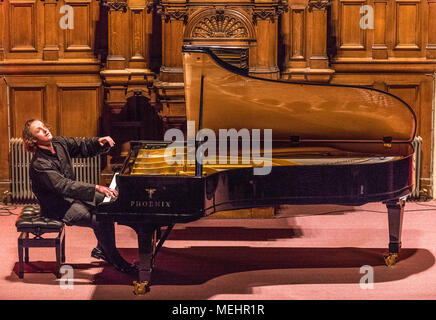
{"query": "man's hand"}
[(108, 192), (107, 139)]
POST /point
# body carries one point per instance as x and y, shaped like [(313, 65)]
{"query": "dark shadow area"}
[(234, 233), (210, 271), (109, 275), (197, 265)]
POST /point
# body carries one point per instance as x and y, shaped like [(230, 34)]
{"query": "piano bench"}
[(32, 227)]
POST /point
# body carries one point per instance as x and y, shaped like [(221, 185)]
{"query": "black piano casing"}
[(157, 199), (352, 184)]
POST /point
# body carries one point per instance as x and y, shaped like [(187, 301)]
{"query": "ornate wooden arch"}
[(219, 24)]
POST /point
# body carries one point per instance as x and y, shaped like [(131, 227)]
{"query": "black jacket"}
[(52, 175)]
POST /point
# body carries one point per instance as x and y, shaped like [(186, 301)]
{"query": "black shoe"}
[(123, 266), (115, 260), (98, 253)]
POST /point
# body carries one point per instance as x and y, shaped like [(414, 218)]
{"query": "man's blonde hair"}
[(28, 138)]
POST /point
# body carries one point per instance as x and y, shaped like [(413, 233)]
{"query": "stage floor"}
[(306, 252)]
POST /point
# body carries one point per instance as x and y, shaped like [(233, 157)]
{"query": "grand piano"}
[(328, 144)]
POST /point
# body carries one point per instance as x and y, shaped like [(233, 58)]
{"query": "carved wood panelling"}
[(80, 38), (379, 47), (137, 38), (407, 25), (211, 24), (431, 38), (298, 22), (51, 30), (352, 36), (2, 29), (22, 26), (78, 109), (27, 101)]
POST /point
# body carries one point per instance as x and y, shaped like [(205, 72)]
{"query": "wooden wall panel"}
[(379, 47), (2, 30), (4, 146), (78, 109), (298, 22), (431, 37), (22, 26), (27, 101), (407, 27), (80, 38), (352, 36)]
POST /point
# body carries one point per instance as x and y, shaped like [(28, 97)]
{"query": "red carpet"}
[(307, 252)]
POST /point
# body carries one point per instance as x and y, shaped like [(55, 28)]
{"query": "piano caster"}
[(140, 287), (391, 259)]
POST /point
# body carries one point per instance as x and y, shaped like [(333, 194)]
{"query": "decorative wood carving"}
[(271, 12), (319, 4), (116, 5), (223, 23), (220, 26), (172, 13)]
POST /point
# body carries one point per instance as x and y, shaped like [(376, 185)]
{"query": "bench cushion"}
[(30, 220)]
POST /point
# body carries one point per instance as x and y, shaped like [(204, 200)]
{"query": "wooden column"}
[(115, 75), (138, 37), (170, 88), (118, 25), (304, 32), (294, 31), (379, 47), (173, 28), (2, 29), (431, 43), (140, 40), (51, 29), (318, 44), (264, 54)]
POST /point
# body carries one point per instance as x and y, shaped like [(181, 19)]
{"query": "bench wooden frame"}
[(32, 237)]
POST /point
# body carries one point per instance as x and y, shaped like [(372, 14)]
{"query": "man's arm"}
[(53, 181), (88, 147)]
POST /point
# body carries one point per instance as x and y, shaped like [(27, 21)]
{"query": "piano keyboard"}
[(113, 185)]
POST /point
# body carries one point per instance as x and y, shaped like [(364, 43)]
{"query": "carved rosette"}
[(220, 26), (319, 4), (223, 23)]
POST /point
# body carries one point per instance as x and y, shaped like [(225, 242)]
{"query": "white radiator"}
[(85, 169), (417, 144)]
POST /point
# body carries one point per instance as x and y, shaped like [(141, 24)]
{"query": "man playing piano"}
[(63, 198)]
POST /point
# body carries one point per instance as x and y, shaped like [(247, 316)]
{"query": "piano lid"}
[(308, 111)]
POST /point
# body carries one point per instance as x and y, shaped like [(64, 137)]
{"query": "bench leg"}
[(26, 250), (58, 259), (20, 259), (63, 249)]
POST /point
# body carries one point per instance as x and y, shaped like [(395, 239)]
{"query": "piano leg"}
[(146, 247), (395, 218)]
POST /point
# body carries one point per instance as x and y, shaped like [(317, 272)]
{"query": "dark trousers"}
[(80, 214)]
